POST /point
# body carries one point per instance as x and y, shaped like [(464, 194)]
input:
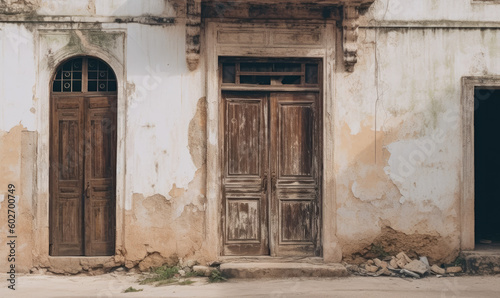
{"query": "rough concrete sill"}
[(74, 265), (269, 259), (482, 262), (282, 270)]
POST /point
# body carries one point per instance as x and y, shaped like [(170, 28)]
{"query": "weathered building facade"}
[(139, 133)]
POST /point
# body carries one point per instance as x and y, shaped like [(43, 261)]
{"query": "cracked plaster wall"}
[(17, 136), (165, 123), (120, 8), (397, 134), (398, 146), (434, 10)]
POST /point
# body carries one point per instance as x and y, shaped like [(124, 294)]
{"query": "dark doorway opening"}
[(487, 166)]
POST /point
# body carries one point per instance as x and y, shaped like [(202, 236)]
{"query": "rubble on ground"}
[(401, 266)]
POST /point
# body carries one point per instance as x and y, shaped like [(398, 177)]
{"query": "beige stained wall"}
[(17, 168), (161, 135), (398, 128)]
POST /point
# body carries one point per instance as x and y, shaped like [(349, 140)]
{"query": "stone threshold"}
[(482, 262), (269, 259), (281, 270), (79, 264)]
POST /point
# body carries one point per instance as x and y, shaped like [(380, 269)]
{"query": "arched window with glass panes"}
[(84, 74)]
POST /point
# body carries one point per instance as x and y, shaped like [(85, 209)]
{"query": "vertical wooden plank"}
[(66, 172), (100, 175), (245, 179), (296, 179)]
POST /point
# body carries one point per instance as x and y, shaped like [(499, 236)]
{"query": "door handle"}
[(264, 182), (273, 180), (86, 191)]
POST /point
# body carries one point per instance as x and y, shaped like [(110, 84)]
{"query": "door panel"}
[(243, 128), (244, 213), (99, 175), (296, 221), (295, 183), (244, 216), (66, 171), (295, 139)]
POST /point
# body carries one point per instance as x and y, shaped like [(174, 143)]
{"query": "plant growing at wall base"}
[(216, 276), (194, 274), (459, 261), (186, 282), (379, 251), (132, 290), (161, 274)]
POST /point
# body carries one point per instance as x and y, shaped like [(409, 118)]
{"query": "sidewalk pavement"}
[(113, 285)]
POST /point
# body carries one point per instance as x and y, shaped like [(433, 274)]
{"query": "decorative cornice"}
[(350, 36), (344, 11), (193, 29), (12, 7)]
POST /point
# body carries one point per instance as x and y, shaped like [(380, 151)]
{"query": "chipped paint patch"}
[(198, 134), (438, 249), (168, 236), (176, 192)]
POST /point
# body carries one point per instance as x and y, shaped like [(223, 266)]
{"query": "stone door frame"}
[(467, 237), (48, 61), (268, 40)]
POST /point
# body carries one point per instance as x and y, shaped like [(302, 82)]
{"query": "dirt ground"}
[(114, 284)]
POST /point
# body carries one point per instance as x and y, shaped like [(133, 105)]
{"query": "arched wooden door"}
[(83, 159)]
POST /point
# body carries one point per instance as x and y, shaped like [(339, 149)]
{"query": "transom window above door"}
[(284, 72), (84, 74)]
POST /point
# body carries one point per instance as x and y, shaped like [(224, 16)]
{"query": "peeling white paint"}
[(369, 194), (418, 127), (212, 138), (439, 10), (106, 8), (18, 73), (161, 108)]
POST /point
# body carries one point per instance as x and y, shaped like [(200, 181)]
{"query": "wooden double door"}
[(83, 175), (271, 183)]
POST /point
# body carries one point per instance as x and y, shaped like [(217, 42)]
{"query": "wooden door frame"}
[(47, 65), (325, 49), (276, 99), (264, 156), (83, 96), (467, 215)]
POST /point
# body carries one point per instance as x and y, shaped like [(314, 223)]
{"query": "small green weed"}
[(459, 261), (166, 282), (186, 282), (165, 275), (194, 274), (167, 272), (216, 276), (131, 290), (160, 274), (379, 251)]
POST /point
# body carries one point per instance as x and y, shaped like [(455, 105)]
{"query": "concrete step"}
[(281, 270), (482, 262)]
